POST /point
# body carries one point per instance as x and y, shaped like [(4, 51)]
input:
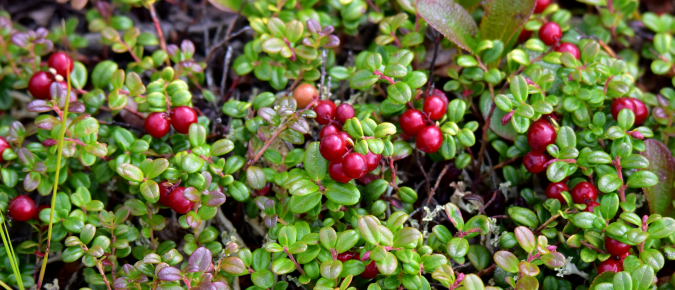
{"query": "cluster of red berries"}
[(619, 252), (371, 269), (416, 123), (550, 33), (39, 83), (181, 117), (638, 107), (172, 196), (336, 145), (582, 193), (540, 135)]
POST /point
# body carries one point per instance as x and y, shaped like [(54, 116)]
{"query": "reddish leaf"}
[(451, 20), (661, 162)]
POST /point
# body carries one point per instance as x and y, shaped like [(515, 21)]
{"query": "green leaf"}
[(643, 178), (304, 203), (369, 227), (519, 88), (362, 79), (642, 277), (622, 281), (102, 73), (661, 228), (315, 165), (156, 167), (343, 193), (130, 172), (507, 261), (399, 93), (503, 18), (451, 20), (454, 215)]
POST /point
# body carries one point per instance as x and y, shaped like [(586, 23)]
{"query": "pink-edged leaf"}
[(216, 198), (451, 20), (39, 106), (169, 274), (201, 258), (76, 107), (503, 18), (661, 162)]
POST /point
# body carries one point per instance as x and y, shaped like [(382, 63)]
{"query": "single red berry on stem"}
[(370, 272), (568, 47), (178, 202), (325, 112), (61, 62), (435, 107), (164, 190), (38, 85), (329, 130), (550, 33), (372, 160), (616, 248), (336, 173), (541, 5), (638, 107), (534, 161), (22, 208), (584, 192), (333, 148), (3, 146), (555, 189), (157, 125), (412, 121), (611, 265), (344, 112), (346, 256), (354, 165), (182, 117), (429, 139), (540, 135)]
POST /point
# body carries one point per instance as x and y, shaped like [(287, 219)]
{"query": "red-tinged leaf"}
[(503, 18), (451, 20), (661, 162), (201, 258), (169, 274)]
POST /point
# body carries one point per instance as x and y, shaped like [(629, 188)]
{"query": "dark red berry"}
[(336, 173), (333, 148), (157, 125), (616, 248), (370, 272), (412, 121), (372, 161), (368, 178), (38, 85), (329, 130), (568, 47), (555, 189), (164, 187), (550, 33), (584, 192), (354, 165), (611, 265), (435, 107), (344, 112), (346, 138), (541, 6), (3, 145), (590, 206), (540, 135), (346, 256), (622, 257), (182, 117), (429, 139), (325, 112), (61, 62), (534, 161), (22, 208), (524, 35), (635, 105), (263, 191), (177, 201), (39, 209)]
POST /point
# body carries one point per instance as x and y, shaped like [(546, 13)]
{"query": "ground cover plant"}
[(340, 144)]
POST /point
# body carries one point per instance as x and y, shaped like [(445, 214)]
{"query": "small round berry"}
[(61, 62), (344, 112), (372, 161), (304, 94), (541, 6), (622, 257), (178, 202), (3, 145), (329, 130), (568, 47), (263, 191), (348, 139), (611, 265), (440, 94), (346, 256), (550, 33), (336, 173), (524, 35), (22, 208), (434, 107), (412, 121), (555, 189), (182, 117), (38, 85), (333, 147), (641, 112), (540, 135), (354, 165), (590, 206), (534, 161), (325, 112), (584, 192), (157, 125), (635, 105), (39, 209), (164, 187), (616, 248), (370, 272), (429, 139)]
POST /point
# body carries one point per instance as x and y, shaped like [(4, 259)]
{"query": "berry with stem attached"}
[(157, 125), (555, 189), (584, 192), (611, 265), (412, 121), (182, 117), (344, 112), (325, 112), (328, 130), (22, 208), (333, 147), (540, 135), (336, 173), (61, 62), (429, 139), (434, 107), (550, 33), (534, 161), (38, 85), (354, 165)]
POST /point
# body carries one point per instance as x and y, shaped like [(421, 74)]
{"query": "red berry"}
[(555, 189), (534, 161), (336, 173), (263, 191), (344, 112), (635, 105), (550, 33), (568, 47), (435, 107), (346, 256), (541, 6), (370, 272), (412, 121), (61, 62), (590, 206), (368, 178), (182, 117), (354, 165), (524, 35), (22, 208), (372, 161), (584, 192), (611, 265), (3, 145), (38, 85), (177, 201), (333, 147), (157, 125), (346, 138), (616, 248), (164, 188), (540, 135), (325, 112), (329, 130), (440, 94), (623, 257), (429, 139)]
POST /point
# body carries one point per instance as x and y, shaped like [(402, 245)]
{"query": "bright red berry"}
[(534, 161), (182, 117), (550, 33), (635, 105), (38, 85), (346, 138), (157, 125), (616, 248), (584, 192), (178, 202), (372, 161), (370, 272), (591, 205), (263, 191), (541, 5), (39, 209), (429, 139), (346, 256), (329, 130), (611, 265), (336, 173), (412, 121), (344, 112), (22, 208), (540, 135), (3, 145), (164, 188), (440, 94), (325, 112), (354, 165), (623, 257), (435, 107), (568, 47), (61, 62), (333, 147), (555, 189)]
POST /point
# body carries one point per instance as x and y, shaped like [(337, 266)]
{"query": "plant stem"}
[(160, 35), (297, 266)]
